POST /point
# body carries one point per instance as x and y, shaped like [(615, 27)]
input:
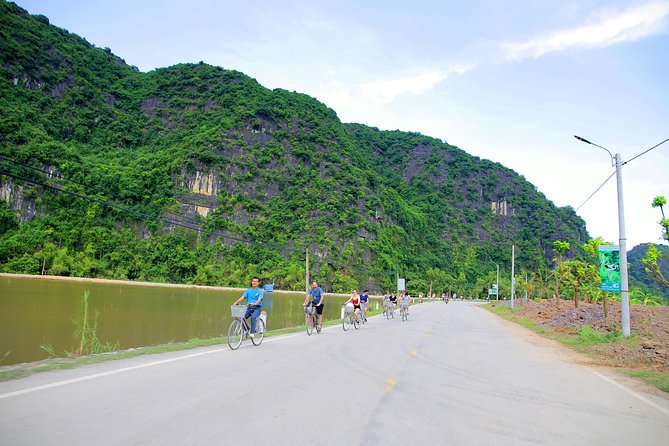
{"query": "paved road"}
[(452, 375)]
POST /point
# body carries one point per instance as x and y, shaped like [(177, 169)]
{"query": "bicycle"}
[(350, 318), (363, 307), (404, 312), (389, 310), (311, 319), (240, 329)]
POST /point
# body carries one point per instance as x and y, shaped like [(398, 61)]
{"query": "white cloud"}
[(624, 27), (385, 91)]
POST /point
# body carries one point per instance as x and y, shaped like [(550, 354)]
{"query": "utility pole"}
[(624, 284), (624, 281), (497, 293), (525, 294), (513, 277), (306, 273)]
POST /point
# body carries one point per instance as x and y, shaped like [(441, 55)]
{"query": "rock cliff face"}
[(203, 184), (203, 188), (22, 204)]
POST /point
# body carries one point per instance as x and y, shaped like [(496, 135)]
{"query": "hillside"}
[(265, 174)]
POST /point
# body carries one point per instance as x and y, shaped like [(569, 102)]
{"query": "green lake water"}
[(35, 312)]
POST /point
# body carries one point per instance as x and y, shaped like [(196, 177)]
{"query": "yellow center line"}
[(390, 384), (413, 352)]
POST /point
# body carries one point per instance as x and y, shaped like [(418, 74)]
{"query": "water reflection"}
[(37, 311)]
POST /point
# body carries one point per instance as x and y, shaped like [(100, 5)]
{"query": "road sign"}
[(401, 284)]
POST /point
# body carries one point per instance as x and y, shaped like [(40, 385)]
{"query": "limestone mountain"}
[(259, 176)]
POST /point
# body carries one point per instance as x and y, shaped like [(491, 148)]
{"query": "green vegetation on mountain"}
[(199, 146)]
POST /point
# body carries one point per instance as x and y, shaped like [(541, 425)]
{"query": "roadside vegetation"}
[(644, 355)]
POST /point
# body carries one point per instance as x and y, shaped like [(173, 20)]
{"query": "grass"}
[(14, 372), (584, 340), (509, 314), (654, 378)]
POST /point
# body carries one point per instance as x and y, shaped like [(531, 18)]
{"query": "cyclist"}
[(253, 296), (355, 300), (405, 301), (393, 301), (317, 300), (364, 298), (386, 302)]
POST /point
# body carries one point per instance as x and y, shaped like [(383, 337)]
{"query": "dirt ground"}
[(649, 347)]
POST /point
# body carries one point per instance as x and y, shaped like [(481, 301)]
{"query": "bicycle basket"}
[(238, 310), (348, 308)]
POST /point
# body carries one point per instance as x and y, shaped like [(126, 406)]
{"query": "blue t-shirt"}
[(252, 296), (316, 294), (364, 298)]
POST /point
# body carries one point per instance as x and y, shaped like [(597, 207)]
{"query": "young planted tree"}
[(578, 275), (654, 257), (560, 247), (660, 201), (543, 280), (652, 263)]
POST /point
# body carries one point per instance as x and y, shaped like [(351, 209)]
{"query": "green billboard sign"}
[(609, 267)]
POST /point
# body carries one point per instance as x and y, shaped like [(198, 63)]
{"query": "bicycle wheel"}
[(310, 324), (346, 322), (356, 322), (260, 332), (235, 334), (387, 313), (404, 315)]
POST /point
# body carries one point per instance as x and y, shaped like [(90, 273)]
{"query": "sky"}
[(510, 81)]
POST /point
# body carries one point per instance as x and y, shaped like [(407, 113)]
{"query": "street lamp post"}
[(497, 293), (513, 273), (624, 286)]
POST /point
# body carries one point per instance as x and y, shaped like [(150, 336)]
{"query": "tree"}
[(560, 247), (578, 274), (652, 263), (660, 201), (654, 257)]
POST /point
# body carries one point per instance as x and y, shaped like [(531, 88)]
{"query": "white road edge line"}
[(125, 369), (632, 392)]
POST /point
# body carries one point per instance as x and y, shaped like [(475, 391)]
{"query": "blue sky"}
[(508, 81)]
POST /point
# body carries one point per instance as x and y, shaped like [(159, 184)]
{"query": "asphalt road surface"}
[(452, 375)]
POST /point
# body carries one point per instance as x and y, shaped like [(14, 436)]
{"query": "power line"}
[(141, 214), (646, 151), (593, 194), (605, 181), (59, 176), (181, 217)]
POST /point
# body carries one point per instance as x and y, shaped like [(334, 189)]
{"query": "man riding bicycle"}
[(364, 298), (317, 300), (253, 296)]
